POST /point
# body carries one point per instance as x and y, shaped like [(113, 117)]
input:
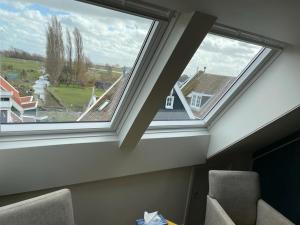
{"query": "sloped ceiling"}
[(275, 19)]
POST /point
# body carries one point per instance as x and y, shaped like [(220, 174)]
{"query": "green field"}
[(73, 97), (17, 65)]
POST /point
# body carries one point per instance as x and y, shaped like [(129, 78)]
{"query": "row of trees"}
[(65, 62), (21, 54)]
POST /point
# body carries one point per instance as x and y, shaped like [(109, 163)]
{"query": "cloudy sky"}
[(222, 56), (109, 36)]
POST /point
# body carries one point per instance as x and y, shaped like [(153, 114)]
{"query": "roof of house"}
[(113, 94), (201, 82), (26, 102), (210, 84), (181, 112), (205, 83), (8, 87), (26, 99)]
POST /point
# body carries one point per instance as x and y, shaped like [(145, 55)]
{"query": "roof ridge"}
[(8, 84)]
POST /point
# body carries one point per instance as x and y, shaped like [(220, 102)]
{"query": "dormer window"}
[(169, 102), (198, 100)]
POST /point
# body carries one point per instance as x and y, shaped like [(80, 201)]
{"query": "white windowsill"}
[(43, 140)]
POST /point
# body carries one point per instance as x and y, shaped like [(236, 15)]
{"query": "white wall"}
[(276, 92), (121, 201), (26, 168)]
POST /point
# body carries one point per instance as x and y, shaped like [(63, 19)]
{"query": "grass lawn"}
[(73, 97), (21, 64), (30, 66)]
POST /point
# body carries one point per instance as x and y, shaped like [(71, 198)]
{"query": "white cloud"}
[(222, 56), (108, 36)]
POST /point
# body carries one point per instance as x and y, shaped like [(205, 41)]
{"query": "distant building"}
[(174, 107), (102, 85), (102, 108), (13, 107), (190, 98), (203, 90)]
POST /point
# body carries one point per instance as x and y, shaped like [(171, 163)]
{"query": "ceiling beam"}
[(184, 37)]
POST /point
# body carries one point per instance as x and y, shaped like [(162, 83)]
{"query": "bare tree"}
[(69, 61), (79, 62), (54, 51)]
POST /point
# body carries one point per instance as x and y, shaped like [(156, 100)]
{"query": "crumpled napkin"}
[(151, 217)]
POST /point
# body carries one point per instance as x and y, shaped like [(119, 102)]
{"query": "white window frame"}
[(159, 29), (161, 18), (271, 50), (169, 102)]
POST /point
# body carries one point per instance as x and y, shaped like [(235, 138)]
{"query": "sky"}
[(109, 36), (222, 56)]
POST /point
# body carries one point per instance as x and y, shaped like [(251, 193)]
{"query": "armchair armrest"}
[(215, 214), (266, 215)]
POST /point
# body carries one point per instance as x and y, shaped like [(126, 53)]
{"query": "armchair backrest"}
[(237, 192), (50, 209)]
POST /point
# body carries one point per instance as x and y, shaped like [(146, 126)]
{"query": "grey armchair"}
[(51, 209), (234, 198)]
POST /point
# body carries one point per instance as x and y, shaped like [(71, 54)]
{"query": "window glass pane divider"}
[(137, 77), (183, 39)]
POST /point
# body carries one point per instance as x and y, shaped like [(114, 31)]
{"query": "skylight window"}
[(65, 62), (215, 67)]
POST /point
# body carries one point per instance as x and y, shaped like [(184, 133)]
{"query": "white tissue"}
[(151, 217)]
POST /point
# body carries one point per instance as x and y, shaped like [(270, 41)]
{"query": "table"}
[(171, 223)]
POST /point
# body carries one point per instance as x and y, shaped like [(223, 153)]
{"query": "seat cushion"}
[(237, 192)]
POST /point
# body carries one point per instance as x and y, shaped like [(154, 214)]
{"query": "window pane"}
[(65, 61), (215, 66)]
